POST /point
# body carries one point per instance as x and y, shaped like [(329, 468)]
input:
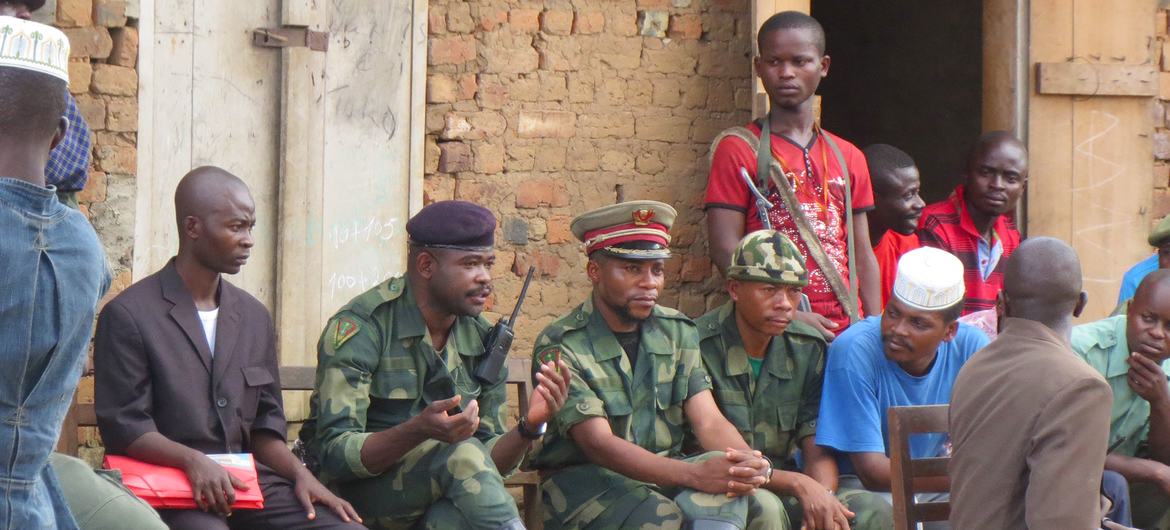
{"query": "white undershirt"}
[(208, 319)]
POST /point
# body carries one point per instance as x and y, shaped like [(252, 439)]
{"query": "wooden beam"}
[(1094, 79)]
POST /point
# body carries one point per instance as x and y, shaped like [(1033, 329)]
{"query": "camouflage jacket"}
[(645, 408), (779, 408), (376, 368)]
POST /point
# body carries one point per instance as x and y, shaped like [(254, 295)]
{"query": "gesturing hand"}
[(436, 424), (552, 389), (213, 487)]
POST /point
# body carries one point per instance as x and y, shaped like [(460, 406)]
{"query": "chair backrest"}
[(907, 473)]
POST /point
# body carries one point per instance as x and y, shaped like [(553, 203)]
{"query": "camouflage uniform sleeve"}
[(582, 402), (347, 356), (810, 408), (691, 361)]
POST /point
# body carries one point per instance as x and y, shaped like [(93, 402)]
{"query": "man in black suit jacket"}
[(186, 365)]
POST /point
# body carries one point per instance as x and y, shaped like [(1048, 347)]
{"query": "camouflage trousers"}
[(870, 510), (1150, 506), (592, 497), (435, 486)]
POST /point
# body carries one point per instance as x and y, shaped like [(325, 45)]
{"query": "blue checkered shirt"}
[(68, 167)]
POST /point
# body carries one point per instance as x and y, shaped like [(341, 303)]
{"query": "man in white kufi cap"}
[(54, 274), (910, 355)]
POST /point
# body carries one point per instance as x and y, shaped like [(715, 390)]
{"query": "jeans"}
[(52, 274)]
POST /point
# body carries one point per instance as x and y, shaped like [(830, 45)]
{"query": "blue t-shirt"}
[(861, 384), (1134, 276)]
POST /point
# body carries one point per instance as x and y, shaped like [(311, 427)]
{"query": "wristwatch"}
[(529, 434)]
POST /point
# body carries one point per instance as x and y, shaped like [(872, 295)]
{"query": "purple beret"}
[(32, 5), (458, 225)]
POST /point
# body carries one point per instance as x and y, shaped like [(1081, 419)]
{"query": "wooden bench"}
[(294, 378), (906, 473)]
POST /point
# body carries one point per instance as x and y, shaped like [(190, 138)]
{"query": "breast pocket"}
[(395, 384), (255, 379)]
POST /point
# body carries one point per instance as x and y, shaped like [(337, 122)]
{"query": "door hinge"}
[(291, 37)]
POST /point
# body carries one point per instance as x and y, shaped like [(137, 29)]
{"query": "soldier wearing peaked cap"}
[(766, 369), (400, 425), (614, 454)]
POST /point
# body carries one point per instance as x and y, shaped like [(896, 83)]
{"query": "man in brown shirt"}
[(1030, 420)]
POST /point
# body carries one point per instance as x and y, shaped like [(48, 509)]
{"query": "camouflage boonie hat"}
[(768, 256)]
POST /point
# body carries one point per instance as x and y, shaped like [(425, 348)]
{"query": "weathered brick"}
[(116, 159), (556, 21), (524, 19), (491, 93), (109, 13), (617, 161), (666, 94), (122, 114), (95, 188), (558, 229), (115, 80), (436, 20), (431, 154), (454, 157), (1161, 203), (458, 127), (1161, 175), (644, 4), (589, 22), (91, 42), (580, 88), (489, 158), (438, 188), (549, 158), (509, 52), (649, 163), (653, 23), (1162, 144), (685, 27), (455, 49), (521, 156), (125, 48), (80, 76), (546, 124), (490, 19), (74, 13), (674, 59), (581, 156), (560, 53), (516, 230), (442, 88), (1160, 23), (459, 18), (664, 128), (537, 192), (93, 109), (547, 265), (696, 268), (606, 124)]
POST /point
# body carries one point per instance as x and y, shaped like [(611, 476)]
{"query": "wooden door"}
[(1092, 77), (329, 142)]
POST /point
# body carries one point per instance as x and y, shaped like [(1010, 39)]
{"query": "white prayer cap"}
[(929, 279), (34, 46)]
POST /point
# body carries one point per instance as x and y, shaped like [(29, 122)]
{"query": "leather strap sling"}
[(846, 295)]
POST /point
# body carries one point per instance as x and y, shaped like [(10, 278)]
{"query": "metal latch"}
[(291, 37)]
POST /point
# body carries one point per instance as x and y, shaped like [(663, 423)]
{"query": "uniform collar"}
[(409, 323), (604, 342), (777, 359)]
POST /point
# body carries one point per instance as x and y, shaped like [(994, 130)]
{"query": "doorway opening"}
[(908, 73)]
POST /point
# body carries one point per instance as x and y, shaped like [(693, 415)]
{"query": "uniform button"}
[(221, 402)]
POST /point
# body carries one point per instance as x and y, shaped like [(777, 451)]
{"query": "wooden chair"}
[(303, 378), (906, 473)]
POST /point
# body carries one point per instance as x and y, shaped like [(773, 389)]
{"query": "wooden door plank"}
[(1094, 79), (1005, 72), (367, 146), (1112, 155), (164, 137), (418, 105), (235, 123), (1049, 192)]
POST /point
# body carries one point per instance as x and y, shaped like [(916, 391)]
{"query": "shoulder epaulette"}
[(803, 330), (365, 304), (672, 314), (708, 325)]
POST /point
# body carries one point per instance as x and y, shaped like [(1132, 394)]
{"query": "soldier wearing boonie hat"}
[(642, 378), (386, 373), (910, 355), (766, 369)]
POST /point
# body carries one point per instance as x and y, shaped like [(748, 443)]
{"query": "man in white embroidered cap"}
[(54, 275), (908, 356)]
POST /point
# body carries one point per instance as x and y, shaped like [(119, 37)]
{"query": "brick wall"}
[(1161, 109), (103, 78), (541, 110)]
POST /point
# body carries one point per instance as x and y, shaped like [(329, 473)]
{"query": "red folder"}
[(168, 488)]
